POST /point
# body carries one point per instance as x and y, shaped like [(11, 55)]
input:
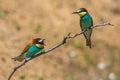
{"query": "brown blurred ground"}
[(22, 20)]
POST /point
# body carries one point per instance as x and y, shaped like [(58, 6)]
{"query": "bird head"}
[(81, 12), (38, 42)]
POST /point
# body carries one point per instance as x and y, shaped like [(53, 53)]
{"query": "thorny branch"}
[(68, 36)]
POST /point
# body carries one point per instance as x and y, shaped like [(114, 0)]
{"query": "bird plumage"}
[(85, 23), (30, 49)]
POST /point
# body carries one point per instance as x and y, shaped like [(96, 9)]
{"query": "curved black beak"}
[(75, 13), (43, 41)]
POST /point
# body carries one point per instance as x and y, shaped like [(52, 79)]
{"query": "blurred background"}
[(23, 20)]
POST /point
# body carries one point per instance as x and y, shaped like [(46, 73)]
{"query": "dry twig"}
[(68, 36)]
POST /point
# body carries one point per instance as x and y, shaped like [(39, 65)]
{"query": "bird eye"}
[(39, 40), (78, 10)]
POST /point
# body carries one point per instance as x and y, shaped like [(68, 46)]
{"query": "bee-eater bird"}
[(31, 49), (85, 22)]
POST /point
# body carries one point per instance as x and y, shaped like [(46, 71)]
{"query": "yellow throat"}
[(82, 14), (40, 45)]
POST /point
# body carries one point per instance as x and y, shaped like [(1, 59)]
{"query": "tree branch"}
[(68, 36)]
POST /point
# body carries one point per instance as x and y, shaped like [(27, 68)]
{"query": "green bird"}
[(85, 22), (33, 47)]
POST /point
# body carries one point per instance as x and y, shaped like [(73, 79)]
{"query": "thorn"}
[(110, 24), (69, 33)]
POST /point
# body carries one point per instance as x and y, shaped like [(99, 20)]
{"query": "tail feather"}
[(88, 43), (19, 58)]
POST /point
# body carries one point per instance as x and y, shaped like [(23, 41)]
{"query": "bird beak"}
[(43, 41), (75, 13)]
